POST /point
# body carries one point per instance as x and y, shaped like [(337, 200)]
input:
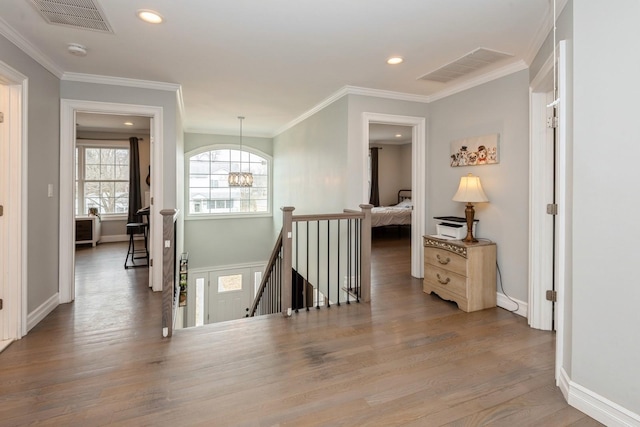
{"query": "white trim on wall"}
[(418, 177), (598, 407), (15, 205), (68, 109), (540, 193), (42, 311)]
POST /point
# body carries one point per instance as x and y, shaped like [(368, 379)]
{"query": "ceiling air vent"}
[(469, 63), (81, 14)]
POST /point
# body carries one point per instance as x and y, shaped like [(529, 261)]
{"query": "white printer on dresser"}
[(452, 227)]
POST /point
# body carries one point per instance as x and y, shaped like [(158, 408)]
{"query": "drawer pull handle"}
[(443, 282), (445, 261)]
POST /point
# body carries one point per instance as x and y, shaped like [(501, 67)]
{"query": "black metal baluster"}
[(338, 266), (318, 265), (328, 263)]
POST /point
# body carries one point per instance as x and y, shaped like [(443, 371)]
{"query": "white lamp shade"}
[(470, 190)]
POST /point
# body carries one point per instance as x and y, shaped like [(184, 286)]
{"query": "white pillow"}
[(406, 203)]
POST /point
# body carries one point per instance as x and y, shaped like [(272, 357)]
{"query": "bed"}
[(398, 214)]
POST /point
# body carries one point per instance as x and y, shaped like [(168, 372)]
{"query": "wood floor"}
[(406, 359)]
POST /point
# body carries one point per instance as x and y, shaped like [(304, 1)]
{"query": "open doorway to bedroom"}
[(416, 153), (390, 182)]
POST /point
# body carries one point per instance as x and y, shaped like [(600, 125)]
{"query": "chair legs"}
[(133, 253)]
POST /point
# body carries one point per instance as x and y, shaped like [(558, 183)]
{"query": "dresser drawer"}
[(436, 278), (447, 260)]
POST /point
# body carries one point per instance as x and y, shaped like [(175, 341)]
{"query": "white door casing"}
[(13, 224), (68, 109), (541, 183)]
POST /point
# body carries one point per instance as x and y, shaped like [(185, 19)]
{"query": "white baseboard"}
[(597, 407), (116, 238), (41, 312), (508, 303)]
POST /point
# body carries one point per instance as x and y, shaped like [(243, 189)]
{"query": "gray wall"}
[(310, 163), (221, 241), (605, 175), (500, 106), (43, 132)]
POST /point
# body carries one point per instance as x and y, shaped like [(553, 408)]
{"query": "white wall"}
[(221, 242), (500, 106), (606, 291)]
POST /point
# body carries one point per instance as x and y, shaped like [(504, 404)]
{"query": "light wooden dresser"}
[(461, 272)]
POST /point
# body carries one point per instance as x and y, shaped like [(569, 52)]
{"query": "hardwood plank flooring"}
[(407, 359)]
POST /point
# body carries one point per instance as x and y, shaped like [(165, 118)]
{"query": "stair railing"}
[(328, 254)]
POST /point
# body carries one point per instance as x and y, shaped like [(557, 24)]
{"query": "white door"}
[(230, 295)]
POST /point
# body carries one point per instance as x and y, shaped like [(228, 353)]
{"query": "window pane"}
[(107, 172), (106, 179), (230, 283), (209, 186), (92, 172), (92, 156)]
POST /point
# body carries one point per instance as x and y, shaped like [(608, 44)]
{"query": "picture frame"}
[(475, 151)]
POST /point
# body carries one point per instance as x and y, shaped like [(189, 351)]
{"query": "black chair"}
[(133, 253)]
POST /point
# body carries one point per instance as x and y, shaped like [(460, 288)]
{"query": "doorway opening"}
[(103, 161), (70, 109), (418, 184)]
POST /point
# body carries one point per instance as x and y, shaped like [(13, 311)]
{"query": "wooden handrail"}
[(267, 274)]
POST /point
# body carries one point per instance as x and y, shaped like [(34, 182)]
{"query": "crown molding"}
[(477, 81), (120, 81), (352, 90), (24, 45)]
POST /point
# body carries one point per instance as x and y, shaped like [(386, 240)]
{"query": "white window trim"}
[(103, 143), (208, 216)]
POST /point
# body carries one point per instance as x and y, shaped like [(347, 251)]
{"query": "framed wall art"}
[(476, 151)]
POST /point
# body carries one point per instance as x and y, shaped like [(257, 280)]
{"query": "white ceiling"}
[(272, 61)]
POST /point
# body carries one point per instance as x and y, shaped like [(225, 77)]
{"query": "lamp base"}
[(469, 213)]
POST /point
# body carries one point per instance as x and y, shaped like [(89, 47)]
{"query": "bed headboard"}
[(403, 195)]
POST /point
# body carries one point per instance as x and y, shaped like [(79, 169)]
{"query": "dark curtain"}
[(374, 195), (135, 199)]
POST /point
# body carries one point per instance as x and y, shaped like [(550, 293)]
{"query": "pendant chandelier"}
[(240, 179)]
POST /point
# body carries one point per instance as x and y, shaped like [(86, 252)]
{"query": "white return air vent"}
[(469, 63), (81, 14)]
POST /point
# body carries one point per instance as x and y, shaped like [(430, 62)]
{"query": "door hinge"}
[(552, 209), (1, 210), (152, 200), (151, 262), (552, 122), (1, 117), (552, 296), (0, 303)]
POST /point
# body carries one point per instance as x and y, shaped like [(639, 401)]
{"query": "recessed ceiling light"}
[(128, 124), (395, 60), (398, 135), (149, 16)]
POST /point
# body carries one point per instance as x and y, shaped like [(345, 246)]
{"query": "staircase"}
[(318, 260)]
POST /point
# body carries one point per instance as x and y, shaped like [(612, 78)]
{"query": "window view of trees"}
[(209, 191), (102, 179)]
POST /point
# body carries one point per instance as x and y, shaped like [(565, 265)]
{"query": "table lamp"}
[(470, 191)]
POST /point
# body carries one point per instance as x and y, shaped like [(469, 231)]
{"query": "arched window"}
[(208, 190)]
